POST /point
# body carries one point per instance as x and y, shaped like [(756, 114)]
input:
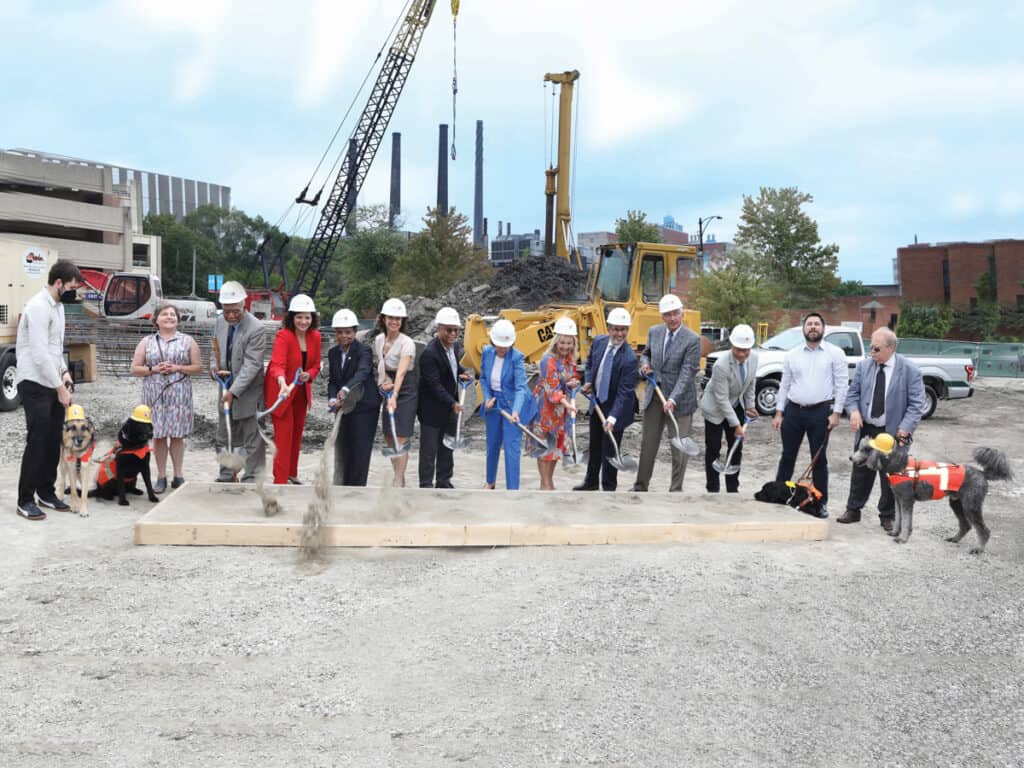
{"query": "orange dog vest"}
[(108, 471), (944, 478)]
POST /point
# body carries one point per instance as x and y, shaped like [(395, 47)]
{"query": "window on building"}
[(945, 280), (140, 255)]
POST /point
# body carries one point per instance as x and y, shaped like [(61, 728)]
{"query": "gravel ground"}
[(852, 652)]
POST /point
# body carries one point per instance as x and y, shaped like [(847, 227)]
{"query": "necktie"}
[(452, 364), (668, 343), (878, 399), (743, 372), (231, 341), (604, 376), (344, 357)]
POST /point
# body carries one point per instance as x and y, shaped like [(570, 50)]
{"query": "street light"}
[(700, 236)]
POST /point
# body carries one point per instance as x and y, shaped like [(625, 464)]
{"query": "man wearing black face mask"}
[(811, 397), (44, 384)]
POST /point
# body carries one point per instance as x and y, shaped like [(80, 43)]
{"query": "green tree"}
[(924, 321), (636, 229), (738, 292), (983, 319), (852, 288), (365, 265), (438, 257), (774, 225), (178, 244)]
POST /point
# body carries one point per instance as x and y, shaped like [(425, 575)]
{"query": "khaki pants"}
[(654, 424)]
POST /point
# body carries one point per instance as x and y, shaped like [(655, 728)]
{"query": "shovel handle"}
[(508, 417)]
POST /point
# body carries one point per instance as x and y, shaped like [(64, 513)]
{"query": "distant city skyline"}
[(901, 121)]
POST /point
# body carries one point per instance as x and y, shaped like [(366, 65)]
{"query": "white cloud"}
[(964, 204), (1010, 202)]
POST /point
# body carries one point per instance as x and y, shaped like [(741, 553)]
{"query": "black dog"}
[(800, 496), (129, 459), (911, 480)]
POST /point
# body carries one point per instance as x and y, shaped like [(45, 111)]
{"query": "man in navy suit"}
[(350, 365), (611, 377), (438, 403), (886, 395)]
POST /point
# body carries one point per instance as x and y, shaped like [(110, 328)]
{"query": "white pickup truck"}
[(945, 378)]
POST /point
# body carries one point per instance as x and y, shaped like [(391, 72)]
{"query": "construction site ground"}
[(851, 651)]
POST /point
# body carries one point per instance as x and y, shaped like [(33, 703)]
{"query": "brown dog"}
[(77, 445)]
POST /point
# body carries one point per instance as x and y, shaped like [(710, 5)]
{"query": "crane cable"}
[(575, 152), (301, 198), (455, 68)]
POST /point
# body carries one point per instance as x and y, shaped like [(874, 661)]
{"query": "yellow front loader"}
[(633, 276)]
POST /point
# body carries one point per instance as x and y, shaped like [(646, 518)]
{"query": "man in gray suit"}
[(673, 355), (728, 396), (240, 340), (886, 395)]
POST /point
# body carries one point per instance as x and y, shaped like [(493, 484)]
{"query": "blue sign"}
[(214, 283)]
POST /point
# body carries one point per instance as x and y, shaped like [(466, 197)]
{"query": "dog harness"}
[(83, 459), (108, 470), (944, 478)]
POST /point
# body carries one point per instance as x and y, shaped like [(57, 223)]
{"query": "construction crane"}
[(362, 146), (559, 217)]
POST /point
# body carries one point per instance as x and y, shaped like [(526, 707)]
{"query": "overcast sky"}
[(901, 119)]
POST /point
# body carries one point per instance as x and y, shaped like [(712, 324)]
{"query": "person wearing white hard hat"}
[(297, 351), (611, 376), (503, 386), (396, 356), (672, 355), (350, 365), (728, 397), (239, 347), (557, 378), (437, 402)]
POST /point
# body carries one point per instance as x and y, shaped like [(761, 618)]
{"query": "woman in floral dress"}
[(165, 360), (557, 379)]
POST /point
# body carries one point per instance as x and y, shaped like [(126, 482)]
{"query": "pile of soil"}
[(525, 284)]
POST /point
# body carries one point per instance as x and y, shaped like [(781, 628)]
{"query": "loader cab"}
[(637, 276)]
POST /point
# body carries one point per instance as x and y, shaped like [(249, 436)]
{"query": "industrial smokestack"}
[(509, 231), (442, 169), (501, 226), (479, 237), (395, 209), (353, 167)]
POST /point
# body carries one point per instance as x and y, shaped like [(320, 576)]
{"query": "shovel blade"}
[(388, 451), (719, 466), (623, 463), (685, 445), (456, 445), (732, 469)]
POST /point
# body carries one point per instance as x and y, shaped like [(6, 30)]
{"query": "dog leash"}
[(809, 472)]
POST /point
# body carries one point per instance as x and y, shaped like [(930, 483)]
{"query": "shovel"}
[(391, 451), (574, 458), (620, 462), (541, 446), (280, 398), (727, 467), (229, 460), (681, 444), (456, 442)]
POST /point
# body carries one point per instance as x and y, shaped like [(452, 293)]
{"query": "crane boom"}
[(363, 144)]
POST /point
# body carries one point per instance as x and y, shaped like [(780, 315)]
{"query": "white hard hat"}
[(394, 308), (447, 316), (619, 316), (232, 292), (565, 326), (344, 318), (669, 303), (503, 333), (301, 303), (742, 336)]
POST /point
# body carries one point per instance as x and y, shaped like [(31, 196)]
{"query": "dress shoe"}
[(819, 512), (886, 523), (637, 488), (585, 486), (849, 516)]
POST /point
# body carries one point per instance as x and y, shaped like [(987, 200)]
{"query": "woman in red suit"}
[(296, 347)]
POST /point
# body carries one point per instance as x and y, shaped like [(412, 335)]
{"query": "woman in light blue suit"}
[(503, 383)]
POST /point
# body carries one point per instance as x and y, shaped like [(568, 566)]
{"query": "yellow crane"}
[(559, 217)]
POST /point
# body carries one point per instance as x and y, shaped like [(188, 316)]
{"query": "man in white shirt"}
[(44, 385), (811, 397)]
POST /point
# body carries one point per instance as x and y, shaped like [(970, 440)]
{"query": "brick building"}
[(945, 273)]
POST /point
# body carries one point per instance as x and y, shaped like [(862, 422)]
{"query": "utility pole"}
[(193, 272), (700, 238)]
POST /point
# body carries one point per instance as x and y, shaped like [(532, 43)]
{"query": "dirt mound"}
[(525, 284)]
